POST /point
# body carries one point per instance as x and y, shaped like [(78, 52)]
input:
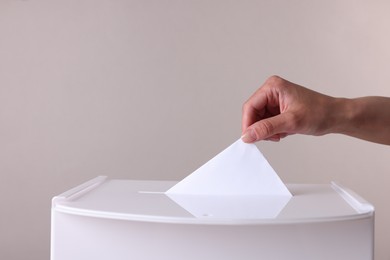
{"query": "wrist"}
[(343, 113)]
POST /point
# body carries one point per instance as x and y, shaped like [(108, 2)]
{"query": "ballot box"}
[(105, 219)]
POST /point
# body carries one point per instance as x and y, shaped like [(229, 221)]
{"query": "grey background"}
[(153, 89)]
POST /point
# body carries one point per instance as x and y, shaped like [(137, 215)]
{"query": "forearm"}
[(366, 118), (281, 108)]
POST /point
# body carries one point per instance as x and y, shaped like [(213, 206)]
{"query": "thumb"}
[(265, 128)]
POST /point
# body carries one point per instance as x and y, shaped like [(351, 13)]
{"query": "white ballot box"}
[(106, 219)]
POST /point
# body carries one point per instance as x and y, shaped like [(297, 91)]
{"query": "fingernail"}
[(249, 136)]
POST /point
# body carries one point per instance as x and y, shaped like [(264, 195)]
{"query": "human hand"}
[(280, 108)]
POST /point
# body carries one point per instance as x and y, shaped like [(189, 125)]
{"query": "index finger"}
[(253, 109)]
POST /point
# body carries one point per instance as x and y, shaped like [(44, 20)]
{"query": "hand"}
[(280, 108)]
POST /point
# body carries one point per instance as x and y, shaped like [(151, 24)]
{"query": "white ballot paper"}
[(237, 183)]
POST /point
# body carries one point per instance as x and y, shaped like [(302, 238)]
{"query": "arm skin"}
[(280, 108)]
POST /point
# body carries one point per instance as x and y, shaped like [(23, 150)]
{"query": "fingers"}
[(264, 100), (273, 129), (252, 109), (265, 116)]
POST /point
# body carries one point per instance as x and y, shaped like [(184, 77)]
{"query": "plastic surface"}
[(104, 219), (146, 201)]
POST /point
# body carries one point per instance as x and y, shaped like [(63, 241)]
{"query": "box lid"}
[(146, 201)]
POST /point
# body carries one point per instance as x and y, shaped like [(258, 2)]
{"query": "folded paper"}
[(240, 169), (237, 183)]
